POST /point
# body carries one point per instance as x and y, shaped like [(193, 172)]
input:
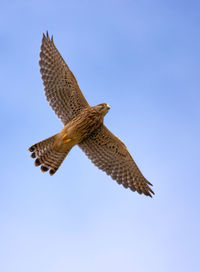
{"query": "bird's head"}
[(103, 108)]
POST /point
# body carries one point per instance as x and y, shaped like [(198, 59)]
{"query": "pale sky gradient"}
[(143, 59)]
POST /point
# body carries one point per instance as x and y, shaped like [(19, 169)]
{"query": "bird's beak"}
[(108, 106)]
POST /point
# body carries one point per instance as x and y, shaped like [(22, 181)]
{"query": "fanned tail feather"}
[(45, 156)]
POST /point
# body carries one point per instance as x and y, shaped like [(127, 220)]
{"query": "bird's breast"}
[(81, 127)]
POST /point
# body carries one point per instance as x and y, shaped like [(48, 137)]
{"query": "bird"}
[(83, 126)]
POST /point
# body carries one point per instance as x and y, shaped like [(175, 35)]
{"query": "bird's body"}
[(83, 126), (80, 127)]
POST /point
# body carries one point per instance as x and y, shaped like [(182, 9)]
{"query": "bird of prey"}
[(83, 126)]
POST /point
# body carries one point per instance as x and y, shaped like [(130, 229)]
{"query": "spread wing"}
[(61, 88), (110, 154)]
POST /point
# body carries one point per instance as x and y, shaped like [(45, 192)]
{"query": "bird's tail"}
[(45, 156)]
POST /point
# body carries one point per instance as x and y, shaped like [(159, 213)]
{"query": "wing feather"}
[(110, 154), (61, 88)]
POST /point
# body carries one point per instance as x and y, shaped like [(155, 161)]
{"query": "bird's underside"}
[(83, 126)]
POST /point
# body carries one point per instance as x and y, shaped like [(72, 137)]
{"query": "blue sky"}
[(142, 58)]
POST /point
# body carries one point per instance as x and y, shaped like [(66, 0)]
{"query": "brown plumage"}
[(83, 126)]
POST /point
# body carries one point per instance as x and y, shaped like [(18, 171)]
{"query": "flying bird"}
[(83, 126)]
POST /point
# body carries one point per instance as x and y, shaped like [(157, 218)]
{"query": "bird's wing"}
[(61, 88), (110, 154)]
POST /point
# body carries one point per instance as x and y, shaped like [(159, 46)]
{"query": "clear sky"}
[(143, 59)]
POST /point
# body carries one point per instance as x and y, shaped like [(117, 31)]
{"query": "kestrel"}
[(83, 126)]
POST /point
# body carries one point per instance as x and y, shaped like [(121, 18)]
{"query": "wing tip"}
[(144, 189), (46, 37), (150, 192)]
